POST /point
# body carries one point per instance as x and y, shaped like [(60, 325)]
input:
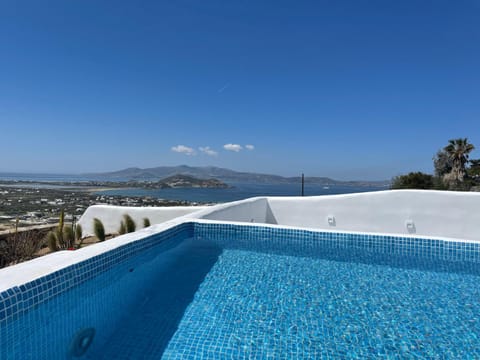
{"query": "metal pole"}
[(303, 185)]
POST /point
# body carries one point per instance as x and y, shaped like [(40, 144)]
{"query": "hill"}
[(222, 174), (185, 181)]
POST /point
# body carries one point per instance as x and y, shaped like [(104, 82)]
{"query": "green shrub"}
[(69, 237), (122, 230), (146, 222), (79, 235), (413, 180), (59, 231), (52, 241), (78, 232), (62, 237), (98, 229), (130, 225)]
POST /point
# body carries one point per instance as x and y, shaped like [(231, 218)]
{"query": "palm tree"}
[(458, 151)]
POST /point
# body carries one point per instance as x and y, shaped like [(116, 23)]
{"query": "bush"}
[(52, 241), (122, 230), (69, 237), (414, 180), (146, 222), (79, 235), (130, 225), (63, 237), (78, 232), (127, 225), (59, 231), (19, 246), (98, 229)]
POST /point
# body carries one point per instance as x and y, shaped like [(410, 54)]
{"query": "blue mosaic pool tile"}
[(243, 235), (16, 301)]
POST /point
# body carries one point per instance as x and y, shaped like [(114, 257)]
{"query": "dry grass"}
[(87, 241), (20, 246), (31, 244)]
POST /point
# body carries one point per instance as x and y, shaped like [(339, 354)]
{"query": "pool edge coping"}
[(28, 271)]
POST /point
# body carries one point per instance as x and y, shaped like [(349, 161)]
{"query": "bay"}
[(239, 191)]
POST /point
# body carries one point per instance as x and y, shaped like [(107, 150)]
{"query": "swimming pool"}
[(219, 290)]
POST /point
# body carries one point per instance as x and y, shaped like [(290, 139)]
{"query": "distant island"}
[(182, 181), (222, 174)]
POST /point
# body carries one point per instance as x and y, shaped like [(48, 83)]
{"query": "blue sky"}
[(346, 89)]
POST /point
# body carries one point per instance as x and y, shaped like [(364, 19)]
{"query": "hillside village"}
[(41, 206)]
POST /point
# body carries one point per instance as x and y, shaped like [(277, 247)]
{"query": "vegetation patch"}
[(453, 170)]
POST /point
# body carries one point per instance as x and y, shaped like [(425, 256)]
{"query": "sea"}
[(237, 191)]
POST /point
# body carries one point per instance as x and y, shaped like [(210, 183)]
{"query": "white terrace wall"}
[(111, 216), (428, 213), (445, 214), (252, 210)]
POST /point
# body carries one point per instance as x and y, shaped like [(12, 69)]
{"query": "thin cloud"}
[(184, 150), (208, 151), (223, 88), (249, 147), (232, 147)]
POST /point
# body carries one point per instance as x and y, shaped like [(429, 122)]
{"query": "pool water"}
[(275, 306), (219, 298), (263, 305)]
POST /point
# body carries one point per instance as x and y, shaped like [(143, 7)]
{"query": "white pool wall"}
[(252, 210), (445, 214), (111, 216)]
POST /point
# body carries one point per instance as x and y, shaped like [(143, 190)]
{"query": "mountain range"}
[(226, 175)]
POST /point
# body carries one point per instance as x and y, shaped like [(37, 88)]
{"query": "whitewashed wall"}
[(445, 214), (253, 210), (111, 216), (436, 213)]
